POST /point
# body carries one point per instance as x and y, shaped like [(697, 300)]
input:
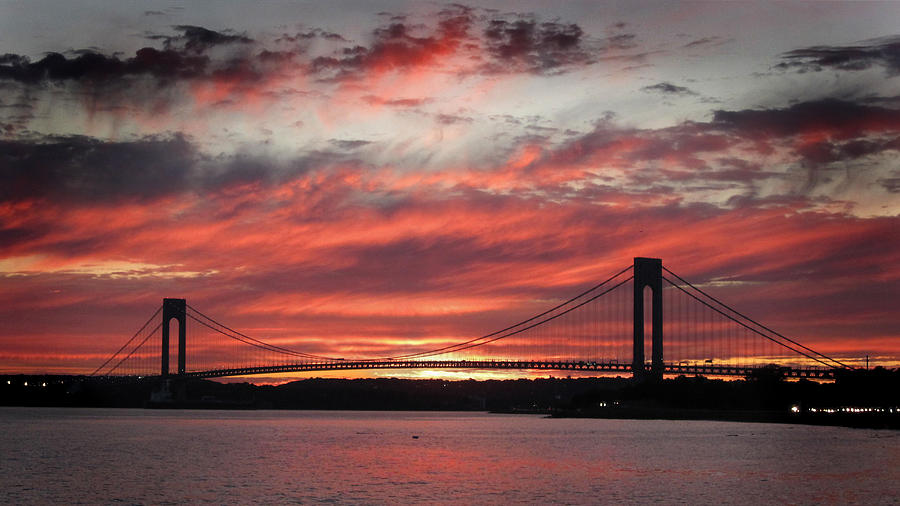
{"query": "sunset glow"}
[(376, 179)]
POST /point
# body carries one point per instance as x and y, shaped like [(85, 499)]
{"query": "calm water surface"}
[(162, 457)]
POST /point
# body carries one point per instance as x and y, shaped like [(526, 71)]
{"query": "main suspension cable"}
[(751, 329), (136, 348), (449, 349), (757, 323), (127, 343), (250, 340), (472, 342)]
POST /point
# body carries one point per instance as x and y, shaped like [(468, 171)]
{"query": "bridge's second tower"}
[(177, 309), (648, 272)]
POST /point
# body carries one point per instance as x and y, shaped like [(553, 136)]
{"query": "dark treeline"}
[(682, 397)]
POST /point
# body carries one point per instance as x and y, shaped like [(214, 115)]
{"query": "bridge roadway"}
[(670, 369)]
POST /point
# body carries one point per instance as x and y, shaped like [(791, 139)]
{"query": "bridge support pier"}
[(177, 309), (648, 272)]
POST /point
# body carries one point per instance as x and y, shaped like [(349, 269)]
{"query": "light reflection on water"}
[(138, 456)]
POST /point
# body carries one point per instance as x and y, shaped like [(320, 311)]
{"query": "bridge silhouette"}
[(602, 329)]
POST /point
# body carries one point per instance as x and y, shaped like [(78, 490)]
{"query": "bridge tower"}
[(177, 309), (648, 272)]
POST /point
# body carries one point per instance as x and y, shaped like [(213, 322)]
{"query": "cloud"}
[(891, 184), (715, 162), (99, 69), (356, 260), (883, 53), (200, 73), (532, 46), (707, 42), (470, 42), (304, 261), (79, 169), (839, 118), (452, 119), (399, 45), (199, 40), (817, 154), (199, 54), (396, 102), (187, 57), (827, 152), (315, 33), (668, 89), (348, 144), (319, 189), (85, 169)]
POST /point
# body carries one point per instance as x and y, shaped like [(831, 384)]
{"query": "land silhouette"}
[(856, 398)]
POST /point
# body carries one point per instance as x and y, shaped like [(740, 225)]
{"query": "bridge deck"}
[(337, 365)]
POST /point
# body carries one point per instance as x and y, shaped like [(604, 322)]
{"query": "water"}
[(163, 457)]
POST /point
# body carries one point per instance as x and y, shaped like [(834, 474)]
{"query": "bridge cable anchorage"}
[(472, 343), (136, 348), (751, 329), (757, 323), (127, 343), (259, 344)]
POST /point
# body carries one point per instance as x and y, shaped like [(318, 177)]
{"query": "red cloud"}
[(305, 263)]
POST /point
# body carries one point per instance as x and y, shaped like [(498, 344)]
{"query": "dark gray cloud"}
[(349, 144), (22, 103), (707, 41), (521, 43), (183, 56), (881, 52), (829, 151), (315, 33), (891, 184), (16, 113), (885, 101), (85, 169), (197, 39), (667, 88), (819, 133), (99, 68), (535, 46), (843, 118), (79, 169)]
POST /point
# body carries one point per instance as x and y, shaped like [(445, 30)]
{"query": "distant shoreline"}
[(869, 400), (877, 422), (859, 421)]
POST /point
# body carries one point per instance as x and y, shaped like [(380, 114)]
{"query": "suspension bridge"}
[(604, 329)]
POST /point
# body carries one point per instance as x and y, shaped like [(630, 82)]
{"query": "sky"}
[(355, 176)]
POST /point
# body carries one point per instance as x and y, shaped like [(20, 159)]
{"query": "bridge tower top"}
[(648, 272), (177, 309)]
